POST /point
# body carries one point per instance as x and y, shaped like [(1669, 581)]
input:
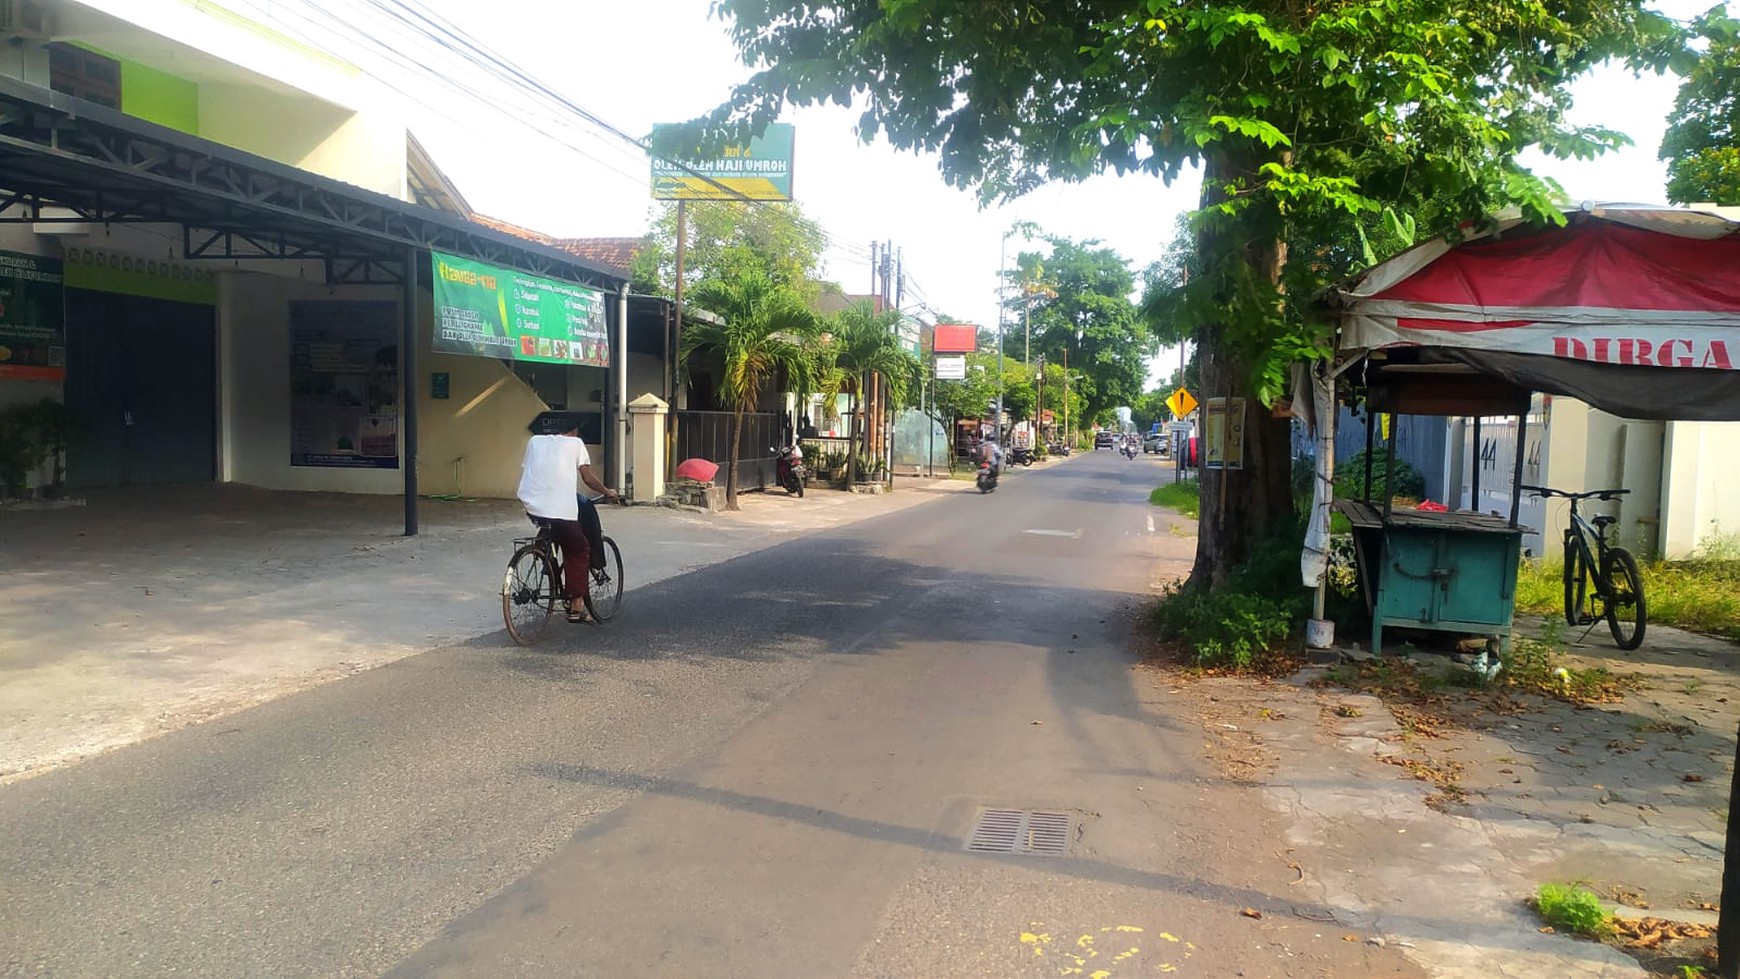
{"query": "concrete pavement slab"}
[(153, 608)]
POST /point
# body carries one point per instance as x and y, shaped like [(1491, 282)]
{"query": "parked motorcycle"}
[(1021, 456), (987, 479), (1060, 448), (789, 469)]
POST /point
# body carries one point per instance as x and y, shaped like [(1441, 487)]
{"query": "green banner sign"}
[(32, 318), (484, 311), (759, 170)]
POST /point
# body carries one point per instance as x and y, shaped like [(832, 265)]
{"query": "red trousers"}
[(574, 573)]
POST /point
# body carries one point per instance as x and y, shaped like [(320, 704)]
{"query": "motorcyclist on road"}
[(991, 453)]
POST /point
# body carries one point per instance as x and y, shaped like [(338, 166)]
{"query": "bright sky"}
[(642, 62)]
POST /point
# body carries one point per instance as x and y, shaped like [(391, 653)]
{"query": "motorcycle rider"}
[(991, 453)]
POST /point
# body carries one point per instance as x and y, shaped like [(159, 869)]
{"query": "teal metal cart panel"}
[(1446, 572)]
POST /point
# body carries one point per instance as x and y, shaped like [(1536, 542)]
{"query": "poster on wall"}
[(344, 384), (32, 318), (484, 311)]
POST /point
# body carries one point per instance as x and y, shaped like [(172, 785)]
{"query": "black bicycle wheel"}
[(528, 594), (604, 588), (1626, 612), (1576, 585)]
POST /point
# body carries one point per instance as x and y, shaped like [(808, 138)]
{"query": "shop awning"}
[(1633, 309)]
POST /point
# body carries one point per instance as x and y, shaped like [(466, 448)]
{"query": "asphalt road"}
[(769, 767)]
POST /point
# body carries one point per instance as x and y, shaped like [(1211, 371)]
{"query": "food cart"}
[(1634, 310)]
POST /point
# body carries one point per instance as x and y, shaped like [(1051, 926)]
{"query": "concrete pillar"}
[(647, 451)]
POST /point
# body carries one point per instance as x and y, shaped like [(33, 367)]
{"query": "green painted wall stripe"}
[(152, 95), (104, 278), (159, 97)]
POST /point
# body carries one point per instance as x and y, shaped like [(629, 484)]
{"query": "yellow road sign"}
[(1181, 403)]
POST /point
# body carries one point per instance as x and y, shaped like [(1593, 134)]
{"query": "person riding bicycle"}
[(555, 466)]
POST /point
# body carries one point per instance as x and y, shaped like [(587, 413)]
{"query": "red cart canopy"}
[(1634, 309)]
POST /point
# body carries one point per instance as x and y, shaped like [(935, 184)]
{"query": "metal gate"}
[(707, 435)]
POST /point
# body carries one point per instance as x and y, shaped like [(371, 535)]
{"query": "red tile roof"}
[(616, 253)]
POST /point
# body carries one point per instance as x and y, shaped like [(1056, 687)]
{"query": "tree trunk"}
[(1240, 507), (852, 428), (736, 448)]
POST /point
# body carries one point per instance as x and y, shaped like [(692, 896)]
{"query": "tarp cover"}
[(1632, 309)]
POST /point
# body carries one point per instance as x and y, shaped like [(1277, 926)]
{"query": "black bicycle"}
[(529, 595), (1602, 583)]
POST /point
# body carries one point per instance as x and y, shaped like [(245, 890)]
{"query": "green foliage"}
[(728, 239), (1702, 142), (1701, 595), (1573, 908), (764, 336), (1074, 300), (859, 342), (1350, 478), (1301, 121), (31, 434), (1245, 623), (1184, 496)]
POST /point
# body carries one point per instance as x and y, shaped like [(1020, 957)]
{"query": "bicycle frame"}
[(1581, 529)]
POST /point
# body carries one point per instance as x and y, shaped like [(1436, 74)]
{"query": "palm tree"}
[(863, 344), (764, 336)]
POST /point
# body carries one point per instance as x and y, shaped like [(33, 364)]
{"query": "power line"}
[(457, 48)]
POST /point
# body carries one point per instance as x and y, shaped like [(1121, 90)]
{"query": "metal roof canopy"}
[(62, 154), (59, 152)]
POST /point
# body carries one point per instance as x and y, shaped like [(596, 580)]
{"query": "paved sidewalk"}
[(151, 609), (1627, 797)]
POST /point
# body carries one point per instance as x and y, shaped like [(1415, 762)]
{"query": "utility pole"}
[(1002, 273), (1067, 433)]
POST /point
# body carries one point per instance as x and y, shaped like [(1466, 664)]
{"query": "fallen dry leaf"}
[(1350, 938), (1251, 913), (1691, 777)]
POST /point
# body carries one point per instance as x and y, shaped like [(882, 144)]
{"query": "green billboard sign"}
[(484, 311), (759, 170), (32, 318)]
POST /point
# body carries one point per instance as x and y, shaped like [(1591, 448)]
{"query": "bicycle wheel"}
[(1626, 613), (604, 589), (528, 594), (1576, 585)]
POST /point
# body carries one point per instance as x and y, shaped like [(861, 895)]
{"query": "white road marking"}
[(1053, 533)]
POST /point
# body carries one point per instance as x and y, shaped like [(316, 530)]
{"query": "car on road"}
[(1105, 440), (1157, 442)]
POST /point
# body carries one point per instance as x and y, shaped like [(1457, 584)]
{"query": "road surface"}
[(769, 767)]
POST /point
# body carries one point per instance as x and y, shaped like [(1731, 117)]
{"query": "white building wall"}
[(1588, 449), (254, 386), (1700, 497), (365, 150)]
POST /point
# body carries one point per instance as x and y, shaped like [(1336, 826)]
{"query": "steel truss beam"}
[(66, 160)]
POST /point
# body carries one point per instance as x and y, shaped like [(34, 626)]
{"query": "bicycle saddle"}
[(1603, 520)]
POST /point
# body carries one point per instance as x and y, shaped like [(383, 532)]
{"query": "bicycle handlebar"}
[(1546, 491)]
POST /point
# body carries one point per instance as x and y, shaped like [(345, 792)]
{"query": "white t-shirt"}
[(550, 476)]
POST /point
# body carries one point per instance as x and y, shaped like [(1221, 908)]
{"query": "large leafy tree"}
[(763, 337), (1702, 142), (728, 239), (1296, 113), (1077, 296)]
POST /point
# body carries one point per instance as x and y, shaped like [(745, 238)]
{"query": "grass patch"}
[(1573, 908), (1701, 595), (1185, 497), (1244, 623)]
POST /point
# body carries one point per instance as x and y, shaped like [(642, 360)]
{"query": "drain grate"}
[(1044, 832)]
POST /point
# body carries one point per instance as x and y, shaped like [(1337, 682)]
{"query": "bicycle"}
[(528, 590), (1617, 592)]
